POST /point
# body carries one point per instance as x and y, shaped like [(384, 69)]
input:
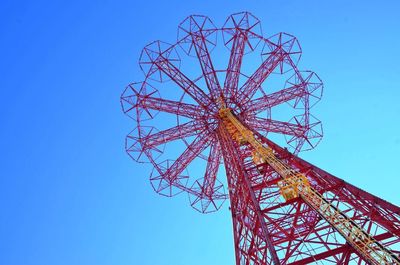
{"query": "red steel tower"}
[(247, 117)]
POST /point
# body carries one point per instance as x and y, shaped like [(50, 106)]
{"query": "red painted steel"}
[(267, 229)]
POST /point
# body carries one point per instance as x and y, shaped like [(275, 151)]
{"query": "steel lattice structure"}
[(237, 115)]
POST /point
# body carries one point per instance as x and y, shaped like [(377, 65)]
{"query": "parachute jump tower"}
[(246, 117)]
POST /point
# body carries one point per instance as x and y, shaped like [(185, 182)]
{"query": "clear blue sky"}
[(68, 192)]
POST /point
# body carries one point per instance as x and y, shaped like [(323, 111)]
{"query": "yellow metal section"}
[(290, 189), (295, 184)]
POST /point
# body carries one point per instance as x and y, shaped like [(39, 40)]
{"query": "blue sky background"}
[(68, 192)]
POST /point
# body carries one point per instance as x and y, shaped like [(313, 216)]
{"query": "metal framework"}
[(251, 118)]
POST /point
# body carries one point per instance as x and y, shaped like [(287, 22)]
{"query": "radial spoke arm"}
[(249, 88), (212, 168), (170, 106), (184, 82), (274, 99), (235, 62), (178, 132), (193, 150), (199, 42), (268, 125)]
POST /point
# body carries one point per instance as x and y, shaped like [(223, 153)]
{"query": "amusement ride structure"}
[(246, 117)]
